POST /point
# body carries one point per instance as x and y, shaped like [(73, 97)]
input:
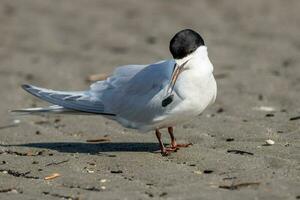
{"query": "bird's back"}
[(135, 97)]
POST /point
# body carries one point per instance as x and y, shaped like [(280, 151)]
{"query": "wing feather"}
[(80, 101)]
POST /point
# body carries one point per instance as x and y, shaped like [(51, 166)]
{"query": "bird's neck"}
[(198, 53), (197, 61)]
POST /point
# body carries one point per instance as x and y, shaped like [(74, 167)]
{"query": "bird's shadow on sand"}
[(91, 148)]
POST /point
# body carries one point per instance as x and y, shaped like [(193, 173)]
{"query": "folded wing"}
[(79, 101)]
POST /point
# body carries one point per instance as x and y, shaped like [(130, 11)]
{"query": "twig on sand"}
[(235, 151), (294, 118), (52, 176), (56, 163), (239, 185), (99, 140)]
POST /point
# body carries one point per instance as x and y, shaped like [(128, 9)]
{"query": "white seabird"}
[(146, 97)]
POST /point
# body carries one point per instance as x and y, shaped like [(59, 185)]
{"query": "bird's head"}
[(183, 47), (184, 44)]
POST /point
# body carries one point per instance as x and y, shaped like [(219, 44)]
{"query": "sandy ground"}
[(254, 46)]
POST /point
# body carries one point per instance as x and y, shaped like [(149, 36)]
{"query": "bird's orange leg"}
[(174, 144), (164, 150)]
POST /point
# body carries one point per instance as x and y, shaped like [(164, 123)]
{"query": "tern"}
[(146, 97)]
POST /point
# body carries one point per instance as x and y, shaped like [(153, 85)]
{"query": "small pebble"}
[(198, 172), (103, 187), (270, 115), (163, 194), (17, 121), (265, 108), (91, 163), (210, 115), (103, 180), (269, 142), (279, 131), (208, 171), (287, 144), (229, 139), (220, 110), (90, 171), (116, 171)]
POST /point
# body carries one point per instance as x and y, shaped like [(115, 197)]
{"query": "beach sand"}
[(254, 46)]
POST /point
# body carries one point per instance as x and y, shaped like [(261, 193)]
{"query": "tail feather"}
[(77, 101), (48, 110)]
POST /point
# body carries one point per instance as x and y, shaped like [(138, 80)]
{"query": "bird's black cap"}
[(184, 43)]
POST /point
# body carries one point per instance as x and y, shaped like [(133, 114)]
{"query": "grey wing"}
[(142, 93), (80, 101), (120, 76), (129, 86), (136, 79), (152, 78)]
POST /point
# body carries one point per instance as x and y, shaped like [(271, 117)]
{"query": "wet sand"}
[(254, 46)]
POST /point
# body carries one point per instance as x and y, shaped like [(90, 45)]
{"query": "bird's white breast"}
[(197, 84), (196, 89)]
